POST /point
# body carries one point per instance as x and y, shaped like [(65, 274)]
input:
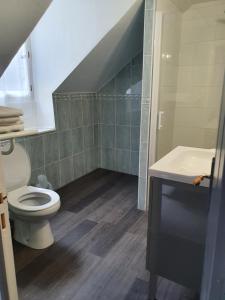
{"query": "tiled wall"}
[(200, 76), (72, 150), (111, 132), (92, 131), (145, 104), (119, 121)]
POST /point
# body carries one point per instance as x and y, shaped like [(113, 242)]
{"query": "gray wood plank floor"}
[(99, 250)]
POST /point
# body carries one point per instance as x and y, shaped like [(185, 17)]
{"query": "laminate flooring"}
[(99, 249)]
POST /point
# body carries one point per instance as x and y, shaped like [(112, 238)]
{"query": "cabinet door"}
[(8, 286), (177, 230), (213, 284)]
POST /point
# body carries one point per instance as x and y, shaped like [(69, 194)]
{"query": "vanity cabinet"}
[(176, 232)]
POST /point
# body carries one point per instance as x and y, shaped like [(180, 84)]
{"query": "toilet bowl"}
[(30, 207)]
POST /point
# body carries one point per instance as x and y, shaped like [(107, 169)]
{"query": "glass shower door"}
[(165, 71), (190, 74)]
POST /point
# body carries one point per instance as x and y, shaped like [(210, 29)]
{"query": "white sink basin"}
[(183, 164)]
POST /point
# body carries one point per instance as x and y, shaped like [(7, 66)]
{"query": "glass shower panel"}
[(191, 74), (170, 39)]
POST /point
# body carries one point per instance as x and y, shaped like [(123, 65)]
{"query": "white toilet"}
[(30, 207)]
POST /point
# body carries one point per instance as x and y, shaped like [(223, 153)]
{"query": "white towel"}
[(6, 112), (10, 121), (10, 128)]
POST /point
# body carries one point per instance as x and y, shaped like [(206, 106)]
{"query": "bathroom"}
[(147, 77)]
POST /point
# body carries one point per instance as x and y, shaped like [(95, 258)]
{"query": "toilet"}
[(30, 207)]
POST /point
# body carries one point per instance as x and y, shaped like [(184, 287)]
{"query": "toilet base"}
[(36, 235)]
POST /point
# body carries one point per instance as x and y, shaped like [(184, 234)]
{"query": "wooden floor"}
[(99, 250)]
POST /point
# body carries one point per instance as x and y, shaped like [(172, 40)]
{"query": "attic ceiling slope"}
[(123, 42), (17, 20)]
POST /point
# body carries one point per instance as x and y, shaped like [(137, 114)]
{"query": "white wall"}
[(117, 48), (65, 35)]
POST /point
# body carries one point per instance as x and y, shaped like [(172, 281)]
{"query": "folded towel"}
[(10, 128), (6, 112), (10, 121)]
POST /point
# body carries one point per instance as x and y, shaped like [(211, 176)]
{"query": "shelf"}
[(16, 134)]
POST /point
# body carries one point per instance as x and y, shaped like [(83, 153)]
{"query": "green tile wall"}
[(107, 129), (72, 150), (92, 130), (119, 119)]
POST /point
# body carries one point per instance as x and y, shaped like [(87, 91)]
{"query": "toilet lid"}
[(16, 168)]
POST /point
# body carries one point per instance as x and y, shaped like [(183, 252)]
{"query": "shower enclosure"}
[(189, 65)]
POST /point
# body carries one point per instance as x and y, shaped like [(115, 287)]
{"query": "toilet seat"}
[(30, 207), (22, 198)]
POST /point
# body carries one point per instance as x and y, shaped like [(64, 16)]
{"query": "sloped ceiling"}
[(113, 52), (17, 19), (185, 4)]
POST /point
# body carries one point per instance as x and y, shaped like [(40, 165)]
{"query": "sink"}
[(183, 164)]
